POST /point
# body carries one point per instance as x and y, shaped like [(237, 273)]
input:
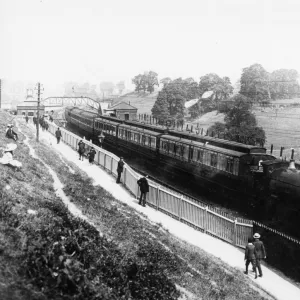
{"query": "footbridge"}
[(55, 103)]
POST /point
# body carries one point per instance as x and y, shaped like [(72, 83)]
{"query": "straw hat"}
[(10, 147), (256, 235)]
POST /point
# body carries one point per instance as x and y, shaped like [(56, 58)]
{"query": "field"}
[(47, 253)]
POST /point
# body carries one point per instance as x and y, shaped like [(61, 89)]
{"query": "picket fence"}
[(176, 205)]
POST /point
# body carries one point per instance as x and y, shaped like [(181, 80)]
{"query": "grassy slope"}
[(133, 238), (143, 102)]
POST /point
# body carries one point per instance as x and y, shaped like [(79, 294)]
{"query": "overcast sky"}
[(54, 41)]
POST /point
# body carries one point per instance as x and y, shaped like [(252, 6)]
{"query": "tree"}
[(151, 79), (138, 81), (255, 83), (121, 86), (170, 101), (165, 81), (145, 82), (284, 84), (240, 124), (221, 87)]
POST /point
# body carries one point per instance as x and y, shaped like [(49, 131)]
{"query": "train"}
[(233, 169)]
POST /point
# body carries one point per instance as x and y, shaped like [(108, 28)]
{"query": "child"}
[(91, 155), (250, 256)]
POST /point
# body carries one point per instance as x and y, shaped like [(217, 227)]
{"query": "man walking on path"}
[(144, 187), (91, 155), (260, 252), (250, 256), (120, 169), (58, 135), (81, 149)]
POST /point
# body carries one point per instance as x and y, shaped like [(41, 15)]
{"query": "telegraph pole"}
[(0, 93), (38, 111)]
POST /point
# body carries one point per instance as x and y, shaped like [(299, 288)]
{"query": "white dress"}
[(7, 159)]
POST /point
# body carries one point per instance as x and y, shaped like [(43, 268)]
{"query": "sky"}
[(56, 41)]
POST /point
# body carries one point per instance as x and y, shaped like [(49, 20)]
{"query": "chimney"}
[(292, 165)]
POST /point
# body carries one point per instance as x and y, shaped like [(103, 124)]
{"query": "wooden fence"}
[(180, 207)]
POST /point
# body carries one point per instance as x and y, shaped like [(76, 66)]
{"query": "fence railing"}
[(197, 215)]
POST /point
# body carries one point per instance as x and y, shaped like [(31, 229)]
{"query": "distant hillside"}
[(143, 102)]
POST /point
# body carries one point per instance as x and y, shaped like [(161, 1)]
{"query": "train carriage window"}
[(236, 166), (153, 142), (171, 147), (229, 164), (191, 153), (149, 141), (200, 155), (143, 140), (214, 160)]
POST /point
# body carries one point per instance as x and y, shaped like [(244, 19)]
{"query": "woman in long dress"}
[(7, 158)]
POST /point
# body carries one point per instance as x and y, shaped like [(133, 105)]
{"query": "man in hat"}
[(101, 138), (10, 133), (120, 169), (58, 135), (250, 256), (144, 187), (260, 252), (81, 149), (91, 155)]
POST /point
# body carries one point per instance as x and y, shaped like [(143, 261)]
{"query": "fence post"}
[(124, 178), (104, 165), (180, 207), (205, 218), (111, 165), (157, 197), (234, 232)]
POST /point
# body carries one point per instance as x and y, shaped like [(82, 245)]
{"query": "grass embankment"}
[(154, 258)]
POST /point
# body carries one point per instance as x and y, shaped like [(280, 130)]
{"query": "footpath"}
[(271, 282)]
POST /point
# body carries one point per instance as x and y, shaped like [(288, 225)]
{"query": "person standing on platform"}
[(58, 135), (81, 149), (101, 138), (260, 252), (91, 155), (120, 169), (26, 118), (250, 256), (144, 187)]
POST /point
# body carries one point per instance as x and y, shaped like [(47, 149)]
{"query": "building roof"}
[(122, 106), (29, 103)]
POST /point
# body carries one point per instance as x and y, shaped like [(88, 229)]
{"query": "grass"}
[(130, 242), (142, 101)]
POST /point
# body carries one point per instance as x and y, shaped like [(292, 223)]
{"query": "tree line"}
[(256, 86)]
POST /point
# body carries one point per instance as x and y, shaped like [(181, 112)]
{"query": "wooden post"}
[(157, 197), (205, 219), (234, 240), (180, 207)]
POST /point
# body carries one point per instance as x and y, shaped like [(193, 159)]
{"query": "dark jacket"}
[(143, 184), (91, 154), (250, 252), (58, 133), (81, 147), (120, 166), (260, 249)]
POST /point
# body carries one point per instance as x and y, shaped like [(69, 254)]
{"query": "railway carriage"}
[(228, 165), (144, 142), (229, 169)]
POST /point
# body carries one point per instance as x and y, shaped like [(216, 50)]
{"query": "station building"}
[(29, 107), (122, 110)]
